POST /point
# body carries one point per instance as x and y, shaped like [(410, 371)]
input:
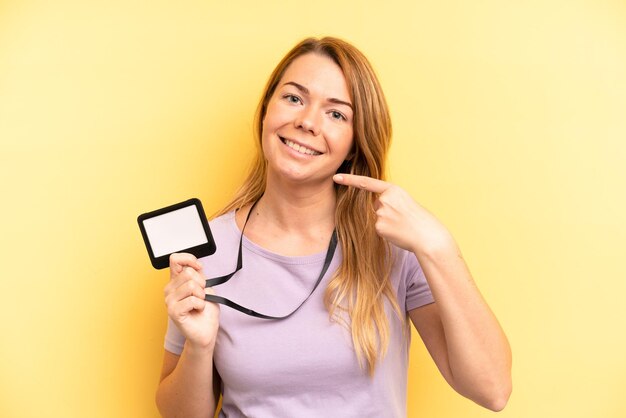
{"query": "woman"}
[(324, 131)]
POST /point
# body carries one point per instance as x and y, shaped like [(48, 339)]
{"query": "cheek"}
[(265, 128), (274, 116), (264, 142), (344, 141), (269, 124)]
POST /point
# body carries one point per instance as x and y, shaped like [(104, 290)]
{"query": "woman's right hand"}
[(197, 319)]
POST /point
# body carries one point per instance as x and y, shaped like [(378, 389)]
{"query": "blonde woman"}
[(317, 182)]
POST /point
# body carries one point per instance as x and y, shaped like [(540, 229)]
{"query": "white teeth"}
[(300, 148)]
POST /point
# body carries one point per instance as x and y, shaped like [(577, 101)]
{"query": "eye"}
[(292, 98), (337, 115)]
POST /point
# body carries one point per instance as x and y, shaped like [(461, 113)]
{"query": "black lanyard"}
[(223, 279)]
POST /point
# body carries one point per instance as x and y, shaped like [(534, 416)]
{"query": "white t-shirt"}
[(305, 365)]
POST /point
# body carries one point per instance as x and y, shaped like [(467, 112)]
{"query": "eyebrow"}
[(306, 91)]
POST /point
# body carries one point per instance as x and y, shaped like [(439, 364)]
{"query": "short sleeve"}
[(174, 340), (417, 290)]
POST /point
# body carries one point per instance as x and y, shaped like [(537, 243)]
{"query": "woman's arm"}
[(459, 330), (189, 387), (461, 333)]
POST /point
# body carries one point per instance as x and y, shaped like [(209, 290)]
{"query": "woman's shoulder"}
[(404, 264), (223, 225), (408, 279), (400, 255), (224, 232), (223, 218)]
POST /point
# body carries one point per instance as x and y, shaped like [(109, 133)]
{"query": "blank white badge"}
[(174, 231)]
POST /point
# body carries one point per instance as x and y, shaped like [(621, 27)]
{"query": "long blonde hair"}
[(361, 283)]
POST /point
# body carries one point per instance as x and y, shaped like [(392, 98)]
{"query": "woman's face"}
[(307, 129)]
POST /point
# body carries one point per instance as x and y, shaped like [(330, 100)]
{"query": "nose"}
[(308, 119)]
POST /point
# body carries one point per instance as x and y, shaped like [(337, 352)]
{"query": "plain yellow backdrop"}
[(509, 125)]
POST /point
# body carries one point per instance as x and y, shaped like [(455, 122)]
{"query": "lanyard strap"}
[(223, 279)]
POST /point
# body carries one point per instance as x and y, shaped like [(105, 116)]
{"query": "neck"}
[(296, 208)]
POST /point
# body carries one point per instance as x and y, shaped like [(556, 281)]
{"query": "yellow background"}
[(509, 125)]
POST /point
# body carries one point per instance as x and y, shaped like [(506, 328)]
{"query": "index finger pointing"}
[(362, 182)]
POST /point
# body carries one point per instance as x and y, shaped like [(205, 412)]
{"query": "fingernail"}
[(338, 177)]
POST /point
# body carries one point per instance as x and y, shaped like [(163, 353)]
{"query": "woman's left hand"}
[(399, 219)]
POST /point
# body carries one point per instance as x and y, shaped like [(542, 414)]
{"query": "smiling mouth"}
[(299, 148)]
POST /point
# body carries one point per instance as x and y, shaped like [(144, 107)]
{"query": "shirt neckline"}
[(284, 259)]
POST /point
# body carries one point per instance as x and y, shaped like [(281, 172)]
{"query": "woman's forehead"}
[(319, 74)]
